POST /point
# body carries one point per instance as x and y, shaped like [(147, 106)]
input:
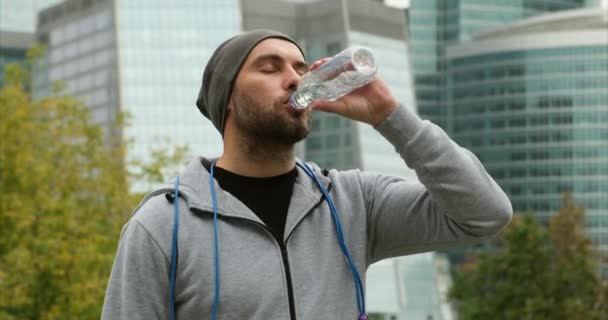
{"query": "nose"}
[(292, 78)]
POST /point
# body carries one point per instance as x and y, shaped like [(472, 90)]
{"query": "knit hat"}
[(222, 69)]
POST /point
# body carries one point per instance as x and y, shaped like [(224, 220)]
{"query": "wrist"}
[(381, 113)]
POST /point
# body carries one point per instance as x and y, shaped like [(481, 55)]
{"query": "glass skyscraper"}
[(437, 24), (531, 101), (142, 57), (13, 49), (81, 52), (163, 49), (17, 25), (434, 24), (411, 287)]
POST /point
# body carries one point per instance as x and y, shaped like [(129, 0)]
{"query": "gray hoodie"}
[(455, 203)]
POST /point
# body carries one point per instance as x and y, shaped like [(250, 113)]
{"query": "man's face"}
[(259, 104)]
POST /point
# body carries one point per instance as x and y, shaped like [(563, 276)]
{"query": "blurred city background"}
[(523, 84)]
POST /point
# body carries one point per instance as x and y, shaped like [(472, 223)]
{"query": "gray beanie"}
[(222, 69)]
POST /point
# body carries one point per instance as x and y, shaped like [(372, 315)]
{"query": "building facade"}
[(411, 287), (17, 26), (13, 49), (81, 53), (143, 58), (434, 24), (531, 101), (437, 24)]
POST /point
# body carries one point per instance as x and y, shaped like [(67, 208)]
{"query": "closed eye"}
[(269, 70), (269, 67)]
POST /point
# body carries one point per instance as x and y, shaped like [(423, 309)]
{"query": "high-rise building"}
[(434, 24), (531, 101), (17, 25), (81, 52), (596, 3), (411, 287), (142, 58), (13, 49)]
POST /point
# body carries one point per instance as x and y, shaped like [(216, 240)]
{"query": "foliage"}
[(537, 274), (164, 162), (63, 200), (64, 196)]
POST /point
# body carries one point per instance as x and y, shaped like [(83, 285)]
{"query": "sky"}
[(393, 3), (398, 3)]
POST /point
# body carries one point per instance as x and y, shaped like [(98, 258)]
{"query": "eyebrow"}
[(271, 57)]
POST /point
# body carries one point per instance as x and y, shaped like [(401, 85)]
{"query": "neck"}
[(257, 159)]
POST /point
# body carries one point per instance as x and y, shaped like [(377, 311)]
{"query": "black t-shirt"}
[(267, 197)]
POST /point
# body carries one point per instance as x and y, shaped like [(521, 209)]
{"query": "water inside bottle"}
[(342, 74)]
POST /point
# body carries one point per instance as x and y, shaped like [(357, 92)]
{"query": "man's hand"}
[(371, 103)]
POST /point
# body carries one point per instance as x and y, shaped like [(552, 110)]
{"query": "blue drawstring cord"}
[(216, 299), (357, 279), (360, 295), (174, 249)]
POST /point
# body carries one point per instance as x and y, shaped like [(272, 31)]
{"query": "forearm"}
[(453, 176)]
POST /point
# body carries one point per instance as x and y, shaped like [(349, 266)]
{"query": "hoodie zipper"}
[(285, 258), (292, 306)]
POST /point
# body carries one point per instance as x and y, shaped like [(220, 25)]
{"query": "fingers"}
[(318, 63), (327, 106)]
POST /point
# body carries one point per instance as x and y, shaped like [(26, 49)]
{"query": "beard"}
[(278, 126)]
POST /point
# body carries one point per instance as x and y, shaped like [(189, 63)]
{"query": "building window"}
[(518, 156), (521, 122), (332, 122), (333, 48), (313, 143), (316, 124), (332, 141)]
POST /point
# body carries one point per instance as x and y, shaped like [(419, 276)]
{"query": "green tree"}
[(577, 258), (535, 273), (64, 196), (63, 199), (163, 162)]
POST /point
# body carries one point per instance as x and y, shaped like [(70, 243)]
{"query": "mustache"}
[(285, 99)]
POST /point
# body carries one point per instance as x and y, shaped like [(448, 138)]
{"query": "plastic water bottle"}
[(345, 72)]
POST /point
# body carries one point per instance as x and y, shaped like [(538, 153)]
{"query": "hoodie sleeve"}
[(455, 203), (139, 283)]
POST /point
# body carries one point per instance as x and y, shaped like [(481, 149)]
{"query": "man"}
[(279, 253)]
